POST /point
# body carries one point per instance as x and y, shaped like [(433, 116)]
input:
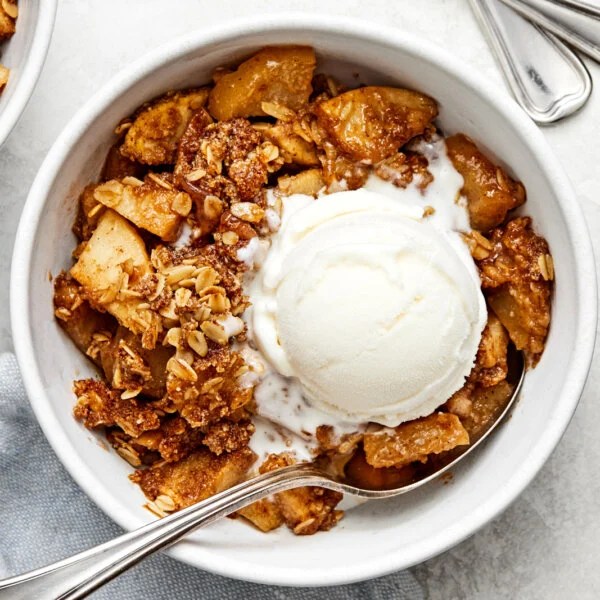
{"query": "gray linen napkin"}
[(44, 517)]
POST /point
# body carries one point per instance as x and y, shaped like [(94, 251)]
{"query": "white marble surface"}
[(546, 544)]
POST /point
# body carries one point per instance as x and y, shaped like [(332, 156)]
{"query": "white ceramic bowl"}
[(378, 537), (24, 55)]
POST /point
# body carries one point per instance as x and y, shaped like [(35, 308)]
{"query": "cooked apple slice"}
[(372, 123), (113, 259), (489, 190), (153, 205), (491, 366), (304, 510), (8, 19), (517, 276), (264, 514), (486, 406), (360, 473), (154, 135), (196, 477), (279, 75), (76, 316), (414, 440)]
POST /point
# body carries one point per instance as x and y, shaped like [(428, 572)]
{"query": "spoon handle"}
[(546, 77), (81, 574), (574, 21)]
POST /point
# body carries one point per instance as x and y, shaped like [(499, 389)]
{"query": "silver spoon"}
[(574, 21), (546, 77), (81, 574)]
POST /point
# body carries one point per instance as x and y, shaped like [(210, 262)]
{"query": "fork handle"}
[(81, 574), (546, 77), (574, 21)]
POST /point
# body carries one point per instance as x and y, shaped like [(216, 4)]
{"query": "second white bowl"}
[(24, 54)]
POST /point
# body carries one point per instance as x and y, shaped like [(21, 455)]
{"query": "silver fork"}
[(574, 21), (546, 77)]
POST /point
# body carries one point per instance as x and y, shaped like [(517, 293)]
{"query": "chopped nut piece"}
[(131, 181), (195, 175), (205, 278), (546, 265), (182, 204), (160, 181), (479, 246), (182, 296), (230, 238), (173, 336), (214, 332), (180, 368), (179, 272), (278, 111), (165, 503), (127, 394), (197, 342), (10, 8), (247, 211)]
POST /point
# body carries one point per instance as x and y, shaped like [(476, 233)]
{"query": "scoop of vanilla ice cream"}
[(376, 312)]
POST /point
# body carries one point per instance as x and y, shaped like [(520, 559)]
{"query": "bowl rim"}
[(575, 225), (32, 68)]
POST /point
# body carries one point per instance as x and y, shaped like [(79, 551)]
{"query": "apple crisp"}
[(174, 228)]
